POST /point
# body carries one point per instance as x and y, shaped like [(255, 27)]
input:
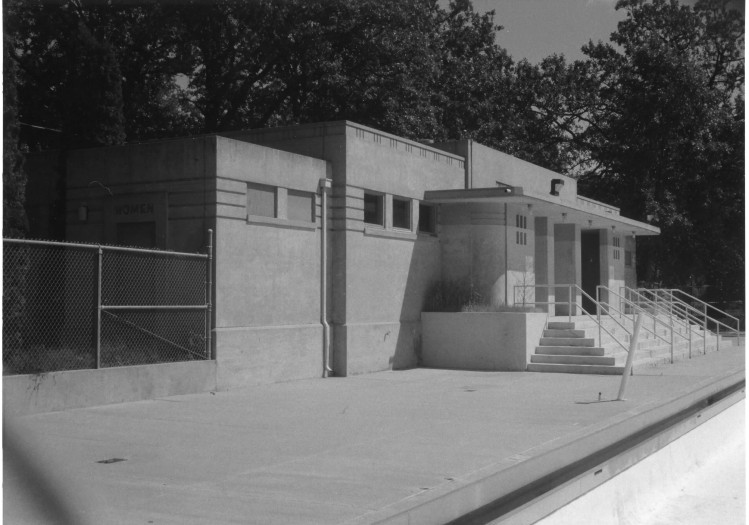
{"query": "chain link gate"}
[(73, 306)]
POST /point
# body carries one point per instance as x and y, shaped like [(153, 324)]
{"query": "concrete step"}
[(570, 350), (560, 325), (573, 359), (575, 369), (564, 333), (567, 341)]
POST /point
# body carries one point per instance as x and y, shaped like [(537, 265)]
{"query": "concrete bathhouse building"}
[(400, 216)]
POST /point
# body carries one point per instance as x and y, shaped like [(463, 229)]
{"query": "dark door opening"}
[(590, 246), (138, 234)]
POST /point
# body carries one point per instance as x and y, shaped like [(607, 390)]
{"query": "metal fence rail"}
[(73, 306)]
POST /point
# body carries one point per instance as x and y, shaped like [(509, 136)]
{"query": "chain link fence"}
[(76, 306)]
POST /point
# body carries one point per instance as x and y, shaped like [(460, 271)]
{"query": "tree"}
[(664, 137), (14, 178)]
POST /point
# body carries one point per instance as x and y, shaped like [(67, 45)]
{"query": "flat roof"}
[(596, 216)]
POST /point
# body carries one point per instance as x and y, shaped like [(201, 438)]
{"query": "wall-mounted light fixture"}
[(590, 223), (530, 209), (83, 213), (564, 217), (504, 187), (556, 186)]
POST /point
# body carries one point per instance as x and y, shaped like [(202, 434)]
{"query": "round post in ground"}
[(630, 358)]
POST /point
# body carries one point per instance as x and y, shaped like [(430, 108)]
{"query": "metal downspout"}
[(324, 185), (507, 265)]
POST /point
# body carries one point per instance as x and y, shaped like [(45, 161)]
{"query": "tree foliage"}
[(666, 136), (651, 121)]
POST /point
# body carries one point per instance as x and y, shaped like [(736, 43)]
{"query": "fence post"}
[(208, 297), (99, 271)]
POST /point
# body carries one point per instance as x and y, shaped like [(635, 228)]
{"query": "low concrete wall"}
[(480, 340), (267, 354), (54, 391)]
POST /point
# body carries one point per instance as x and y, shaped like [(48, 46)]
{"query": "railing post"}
[(672, 343), (689, 329), (704, 330), (717, 336), (98, 306), (569, 303)]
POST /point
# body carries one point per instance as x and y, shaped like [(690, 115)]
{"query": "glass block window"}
[(427, 218), (373, 209), (521, 223), (261, 200), (401, 213), (300, 206)]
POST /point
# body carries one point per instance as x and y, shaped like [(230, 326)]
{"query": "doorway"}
[(590, 246)]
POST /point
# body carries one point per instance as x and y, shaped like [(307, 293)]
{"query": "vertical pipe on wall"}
[(324, 185), (507, 266)]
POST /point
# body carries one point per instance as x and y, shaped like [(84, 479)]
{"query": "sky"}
[(535, 29)]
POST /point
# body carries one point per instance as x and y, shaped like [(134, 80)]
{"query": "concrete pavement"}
[(341, 450)]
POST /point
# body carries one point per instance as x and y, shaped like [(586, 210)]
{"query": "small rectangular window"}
[(401, 213), (261, 200), (521, 223), (300, 206), (373, 209), (427, 218)]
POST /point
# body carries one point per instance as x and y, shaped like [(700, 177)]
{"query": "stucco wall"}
[(489, 166), (481, 340), (479, 248), (267, 270), (174, 177), (389, 271), (379, 276)]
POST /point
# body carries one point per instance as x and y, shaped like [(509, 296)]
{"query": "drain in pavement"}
[(111, 460)]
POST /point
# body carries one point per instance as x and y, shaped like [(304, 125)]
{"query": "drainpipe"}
[(507, 265), (324, 185)]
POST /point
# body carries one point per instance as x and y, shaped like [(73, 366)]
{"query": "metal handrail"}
[(669, 313), (701, 317), (570, 303), (656, 320), (705, 307)]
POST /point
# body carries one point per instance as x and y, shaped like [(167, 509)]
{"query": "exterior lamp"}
[(83, 213), (556, 186), (504, 187), (564, 217)]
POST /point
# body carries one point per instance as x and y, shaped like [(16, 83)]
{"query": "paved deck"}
[(339, 450)]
